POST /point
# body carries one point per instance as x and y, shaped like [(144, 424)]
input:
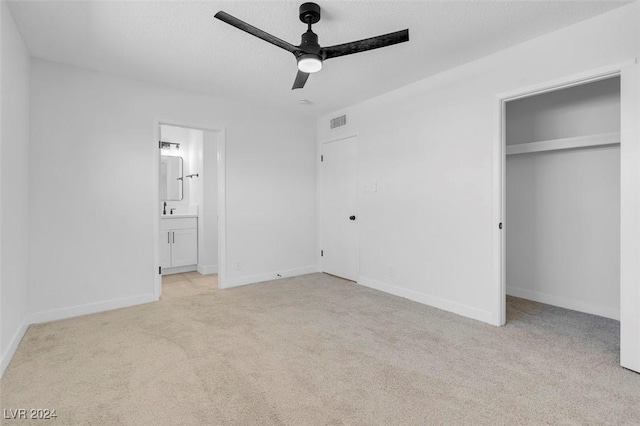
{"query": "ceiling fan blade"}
[(241, 25), (301, 79), (364, 45)]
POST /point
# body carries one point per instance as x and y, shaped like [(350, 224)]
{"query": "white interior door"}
[(630, 218), (338, 202)]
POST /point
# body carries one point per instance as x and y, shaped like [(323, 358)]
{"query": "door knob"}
[(352, 218)]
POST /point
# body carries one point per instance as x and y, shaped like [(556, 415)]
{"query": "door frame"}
[(629, 197), (357, 201), (221, 139)]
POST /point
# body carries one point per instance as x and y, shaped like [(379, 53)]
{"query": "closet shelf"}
[(565, 143)]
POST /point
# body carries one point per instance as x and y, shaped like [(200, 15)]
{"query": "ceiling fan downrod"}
[(310, 14)]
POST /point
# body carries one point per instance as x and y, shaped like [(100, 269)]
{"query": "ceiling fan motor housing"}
[(310, 43)]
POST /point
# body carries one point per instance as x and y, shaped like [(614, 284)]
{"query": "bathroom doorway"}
[(189, 209)]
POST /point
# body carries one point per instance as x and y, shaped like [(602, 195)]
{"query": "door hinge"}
[(500, 225), (321, 158), (321, 253), (160, 270)]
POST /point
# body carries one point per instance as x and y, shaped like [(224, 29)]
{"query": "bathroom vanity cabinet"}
[(178, 244)]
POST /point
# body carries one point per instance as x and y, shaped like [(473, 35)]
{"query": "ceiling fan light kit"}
[(309, 63), (309, 55)]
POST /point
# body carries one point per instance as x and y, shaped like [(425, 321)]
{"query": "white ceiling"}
[(180, 44)]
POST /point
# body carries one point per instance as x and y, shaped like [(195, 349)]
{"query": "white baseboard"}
[(426, 299), (179, 269), (252, 279), (90, 308), (207, 269), (13, 346), (565, 302)]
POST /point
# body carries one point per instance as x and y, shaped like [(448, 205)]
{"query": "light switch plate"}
[(370, 188)]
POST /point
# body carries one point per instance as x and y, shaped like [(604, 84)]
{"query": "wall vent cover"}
[(338, 122)]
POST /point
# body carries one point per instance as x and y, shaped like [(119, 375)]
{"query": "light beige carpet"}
[(320, 350)]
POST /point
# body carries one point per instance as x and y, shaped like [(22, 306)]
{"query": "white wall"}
[(588, 109), (563, 207), (14, 188), (208, 215), (194, 166), (563, 229), (430, 148), (92, 242)]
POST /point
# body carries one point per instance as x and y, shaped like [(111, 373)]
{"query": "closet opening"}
[(561, 206)]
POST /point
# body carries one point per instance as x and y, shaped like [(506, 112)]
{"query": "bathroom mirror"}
[(170, 178)]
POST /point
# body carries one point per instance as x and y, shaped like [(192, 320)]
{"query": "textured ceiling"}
[(180, 44)]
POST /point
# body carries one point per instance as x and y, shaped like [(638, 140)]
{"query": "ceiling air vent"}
[(338, 122)]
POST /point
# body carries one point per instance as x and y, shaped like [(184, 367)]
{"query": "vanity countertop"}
[(177, 216)]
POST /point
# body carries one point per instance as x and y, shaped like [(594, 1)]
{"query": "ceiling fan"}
[(309, 54)]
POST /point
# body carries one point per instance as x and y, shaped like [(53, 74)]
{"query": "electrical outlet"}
[(238, 266), (392, 272)]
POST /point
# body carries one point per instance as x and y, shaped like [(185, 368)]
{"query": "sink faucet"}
[(172, 209), (164, 208)]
